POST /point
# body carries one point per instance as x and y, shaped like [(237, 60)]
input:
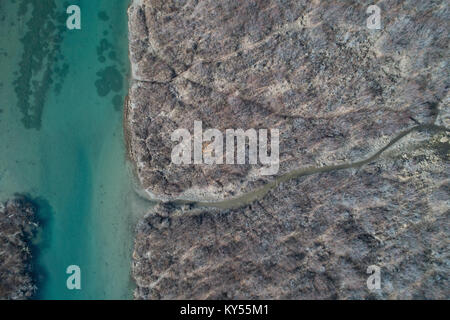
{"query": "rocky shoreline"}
[(17, 227)]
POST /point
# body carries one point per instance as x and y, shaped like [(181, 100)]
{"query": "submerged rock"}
[(17, 226), (335, 89)]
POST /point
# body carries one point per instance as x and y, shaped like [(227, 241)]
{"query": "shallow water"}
[(61, 98)]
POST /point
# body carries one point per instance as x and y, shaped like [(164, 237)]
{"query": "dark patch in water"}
[(61, 71), (110, 80), (112, 55), (104, 46), (117, 102), (103, 16), (41, 45)]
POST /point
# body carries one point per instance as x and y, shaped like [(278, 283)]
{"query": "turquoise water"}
[(61, 97)]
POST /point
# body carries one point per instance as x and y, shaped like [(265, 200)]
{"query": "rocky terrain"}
[(335, 89), (17, 226), (338, 92), (310, 238)]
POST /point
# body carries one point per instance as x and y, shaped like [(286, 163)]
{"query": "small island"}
[(17, 227)]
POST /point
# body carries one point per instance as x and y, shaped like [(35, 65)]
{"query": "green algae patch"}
[(103, 47), (41, 51), (103, 16), (110, 79)]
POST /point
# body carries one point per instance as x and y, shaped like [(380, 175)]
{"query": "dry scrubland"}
[(338, 92)]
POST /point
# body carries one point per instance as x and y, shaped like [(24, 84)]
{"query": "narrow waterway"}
[(61, 100), (259, 193)]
